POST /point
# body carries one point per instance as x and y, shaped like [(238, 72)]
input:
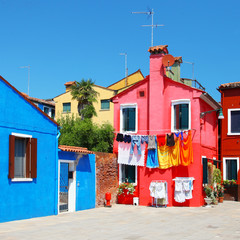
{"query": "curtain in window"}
[(20, 158), (231, 169), (235, 121), (129, 118)]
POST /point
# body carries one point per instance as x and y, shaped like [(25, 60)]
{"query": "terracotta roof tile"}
[(51, 103), (178, 59), (74, 149), (69, 83), (158, 48), (229, 85)]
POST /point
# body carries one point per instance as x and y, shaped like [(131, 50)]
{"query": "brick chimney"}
[(156, 86), (68, 85)]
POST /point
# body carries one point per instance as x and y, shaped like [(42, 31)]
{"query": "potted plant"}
[(209, 190), (126, 193), (220, 190)]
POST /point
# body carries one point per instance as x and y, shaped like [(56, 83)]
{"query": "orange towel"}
[(186, 150)]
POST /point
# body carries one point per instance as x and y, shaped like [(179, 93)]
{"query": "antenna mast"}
[(126, 68), (150, 13)]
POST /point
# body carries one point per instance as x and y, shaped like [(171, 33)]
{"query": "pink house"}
[(161, 105)]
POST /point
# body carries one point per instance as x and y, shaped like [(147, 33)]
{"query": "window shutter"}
[(205, 171), (11, 156), (28, 158), (33, 157)]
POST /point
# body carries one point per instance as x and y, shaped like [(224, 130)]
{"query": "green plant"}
[(126, 187), (84, 133), (210, 192), (228, 183), (217, 176), (220, 190)]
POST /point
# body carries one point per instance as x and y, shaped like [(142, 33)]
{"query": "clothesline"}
[(163, 130)]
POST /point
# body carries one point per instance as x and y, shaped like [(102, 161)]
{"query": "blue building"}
[(28, 159), (47, 106), (77, 179)]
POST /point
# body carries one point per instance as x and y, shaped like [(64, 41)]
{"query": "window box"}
[(127, 198)]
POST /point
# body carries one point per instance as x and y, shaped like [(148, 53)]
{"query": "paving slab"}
[(132, 222)]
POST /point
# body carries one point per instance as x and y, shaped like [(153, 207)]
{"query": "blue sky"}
[(67, 40)]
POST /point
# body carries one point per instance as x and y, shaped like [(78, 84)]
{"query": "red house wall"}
[(230, 145), (154, 114)]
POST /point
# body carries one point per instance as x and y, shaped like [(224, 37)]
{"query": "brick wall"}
[(106, 177)]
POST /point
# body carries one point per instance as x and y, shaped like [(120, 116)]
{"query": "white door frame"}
[(71, 183)]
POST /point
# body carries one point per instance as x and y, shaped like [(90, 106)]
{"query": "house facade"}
[(230, 130), (65, 105), (28, 161), (159, 105)]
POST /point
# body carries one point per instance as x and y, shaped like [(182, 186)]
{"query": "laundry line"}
[(159, 130)]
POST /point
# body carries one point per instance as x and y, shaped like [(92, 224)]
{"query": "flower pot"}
[(208, 201), (220, 199)]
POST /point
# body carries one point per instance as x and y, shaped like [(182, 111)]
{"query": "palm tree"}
[(85, 94)]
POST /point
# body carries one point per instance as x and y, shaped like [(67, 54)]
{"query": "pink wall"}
[(162, 91)]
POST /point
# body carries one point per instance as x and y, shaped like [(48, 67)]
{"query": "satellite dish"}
[(168, 60)]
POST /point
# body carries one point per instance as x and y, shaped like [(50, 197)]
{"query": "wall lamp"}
[(220, 116)]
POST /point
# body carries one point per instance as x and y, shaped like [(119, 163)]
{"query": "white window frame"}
[(120, 175), (229, 121), (177, 102), (20, 135), (130, 105), (224, 165)]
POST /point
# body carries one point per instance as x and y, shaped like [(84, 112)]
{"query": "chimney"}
[(156, 86), (176, 69), (68, 85)]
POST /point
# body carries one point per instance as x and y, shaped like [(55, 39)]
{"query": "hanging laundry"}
[(170, 140), (136, 141), (174, 154), (152, 159), (119, 137), (161, 140), (177, 134), (124, 156), (144, 139), (127, 138), (158, 190), (152, 142), (164, 157), (186, 150), (183, 188)]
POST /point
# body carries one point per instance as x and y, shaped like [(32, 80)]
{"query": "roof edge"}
[(25, 98)]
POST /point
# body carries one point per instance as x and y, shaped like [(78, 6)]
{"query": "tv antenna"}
[(28, 67), (126, 68), (150, 13)]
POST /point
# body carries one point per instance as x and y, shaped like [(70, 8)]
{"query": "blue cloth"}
[(136, 140), (152, 159), (144, 139), (177, 135)]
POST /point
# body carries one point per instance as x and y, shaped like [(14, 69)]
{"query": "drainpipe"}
[(56, 209)]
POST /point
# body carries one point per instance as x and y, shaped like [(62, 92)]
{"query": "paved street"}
[(131, 222)]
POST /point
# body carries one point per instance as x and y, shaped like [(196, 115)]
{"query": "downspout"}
[(56, 209)]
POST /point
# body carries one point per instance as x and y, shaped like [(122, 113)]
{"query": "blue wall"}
[(21, 200), (85, 179), (86, 183)]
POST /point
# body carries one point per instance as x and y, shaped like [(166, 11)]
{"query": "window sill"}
[(104, 110), (65, 112), (22, 180), (233, 134)]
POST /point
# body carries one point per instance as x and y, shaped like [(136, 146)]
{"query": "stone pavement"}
[(132, 222)]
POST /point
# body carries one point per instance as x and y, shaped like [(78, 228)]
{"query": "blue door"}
[(64, 187), (86, 186)]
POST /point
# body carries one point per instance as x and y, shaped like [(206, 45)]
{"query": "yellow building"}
[(65, 105)]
